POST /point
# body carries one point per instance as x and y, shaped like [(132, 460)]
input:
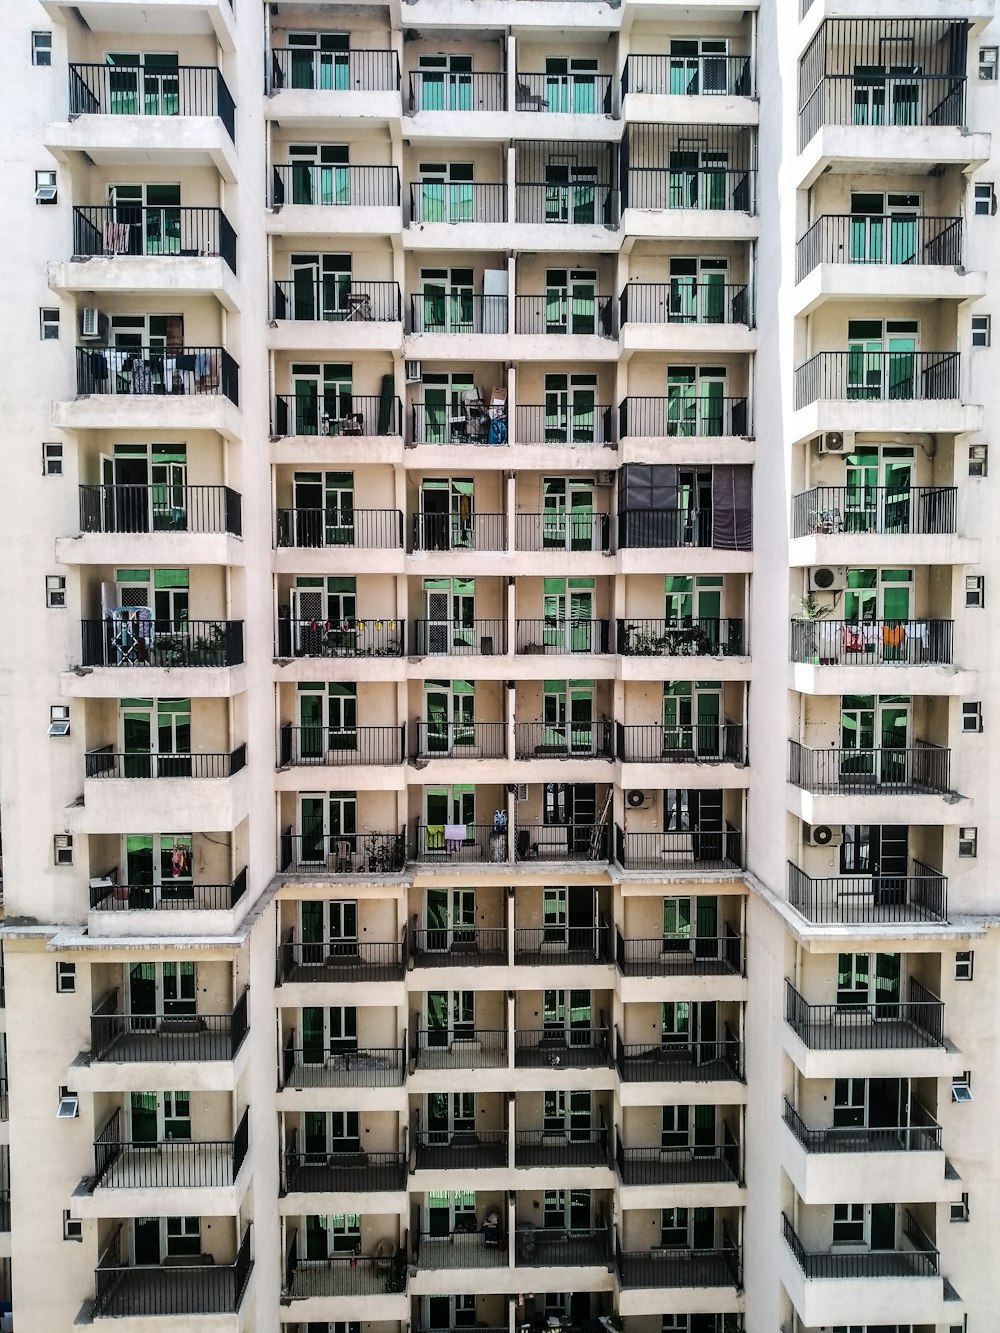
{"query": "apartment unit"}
[(494, 738)]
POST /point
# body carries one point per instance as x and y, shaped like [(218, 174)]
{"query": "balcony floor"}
[(444, 1158), (858, 1035), (338, 1178), (440, 1253), (665, 1066), (319, 1278), (337, 1072)]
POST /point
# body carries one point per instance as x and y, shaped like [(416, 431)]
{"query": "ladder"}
[(594, 850)]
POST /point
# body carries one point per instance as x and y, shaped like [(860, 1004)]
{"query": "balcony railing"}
[(4, 1102), (537, 423), (683, 417), (449, 843), (904, 770), (336, 414), (564, 94), (701, 743), (340, 186), (342, 853), (552, 635), (706, 189), (683, 1061), (691, 637), (460, 1048), (864, 238), (461, 1150), (573, 1147), (433, 424), (831, 510), (457, 311), (865, 376), (107, 894), (687, 76), (352, 71), (458, 946), (166, 508), (562, 1048), (460, 638), (687, 956), (921, 1134), (556, 946), (341, 960), (672, 1267), (340, 747), (879, 101), (344, 1172), (589, 316), (136, 1038), (201, 1287), (684, 302), (120, 1163), (152, 232), (137, 90), (920, 1261), (852, 1025), (343, 1275), (337, 298), (467, 91), (457, 201), (460, 1249), (874, 898), (562, 1247), (157, 372), (452, 532), (103, 762), (5, 1210), (581, 204), (701, 1164), (561, 842), (356, 529), (129, 640), (659, 528), (461, 740), (579, 740), (363, 1067), (377, 637), (562, 532), (694, 849)]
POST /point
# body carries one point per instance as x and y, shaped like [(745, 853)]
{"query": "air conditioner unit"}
[(836, 442), (91, 322), (638, 800), (824, 835), (828, 578), (414, 372)]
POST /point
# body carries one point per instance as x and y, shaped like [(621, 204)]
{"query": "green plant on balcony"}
[(812, 611)]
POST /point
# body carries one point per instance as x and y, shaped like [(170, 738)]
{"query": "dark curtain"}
[(732, 513)]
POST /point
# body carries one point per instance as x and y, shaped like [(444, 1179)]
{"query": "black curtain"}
[(732, 512)]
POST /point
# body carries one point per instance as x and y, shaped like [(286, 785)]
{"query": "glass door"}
[(447, 301), (570, 192), (884, 228), (320, 286), (445, 192), (451, 1016), (319, 60), (450, 918), (570, 300), (445, 82), (323, 397), (320, 173)]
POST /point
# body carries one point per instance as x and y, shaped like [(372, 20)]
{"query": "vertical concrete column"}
[(511, 705), (511, 71), (510, 508), (511, 619), (511, 186)]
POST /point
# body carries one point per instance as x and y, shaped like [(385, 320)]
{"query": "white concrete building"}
[(468, 420)]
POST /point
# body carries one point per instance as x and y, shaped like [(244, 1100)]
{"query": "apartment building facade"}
[(451, 425)]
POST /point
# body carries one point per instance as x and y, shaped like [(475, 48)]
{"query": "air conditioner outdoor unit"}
[(824, 835), (414, 372), (638, 800), (828, 578), (90, 322), (836, 442)]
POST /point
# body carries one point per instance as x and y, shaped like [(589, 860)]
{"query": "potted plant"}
[(812, 611)]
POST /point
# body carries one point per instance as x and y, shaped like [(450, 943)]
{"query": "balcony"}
[(470, 1150), (562, 946), (578, 317), (455, 946), (342, 186), (562, 1048), (692, 956), (875, 253), (461, 93), (684, 418), (544, 740), (450, 532), (459, 1249), (103, 762), (695, 850), (356, 417), (363, 1067), (344, 1275), (340, 961), (356, 70), (130, 90), (695, 180), (919, 769), (700, 743), (587, 205), (460, 638), (107, 894), (164, 509), (693, 637), (672, 1268), (121, 1164), (873, 899), (562, 532), (342, 853), (686, 303), (340, 747), (128, 372), (341, 638), (464, 424), (552, 636), (921, 1134), (561, 1247), (133, 231), (438, 317), (563, 94), (560, 1148), (875, 511), (124, 1290), (890, 1025), (680, 1062), (863, 376), (341, 300), (687, 76), (461, 740), (331, 529), (919, 1259), (165, 1037), (706, 1164), (117, 642), (535, 423), (457, 843), (465, 1048), (354, 1173), (433, 203), (561, 842)]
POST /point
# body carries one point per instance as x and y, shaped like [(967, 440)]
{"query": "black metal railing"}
[(562, 532), (916, 1262), (865, 238), (684, 302), (108, 895), (459, 1248), (344, 1172), (341, 960), (683, 417), (891, 770), (872, 642), (467, 91), (133, 641), (137, 1038), (921, 1134), (431, 424), (564, 314), (573, 1147), (153, 231), (906, 100), (377, 637), (461, 740), (364, 1067), (562, 636), (453, 532), (888, 1025), (573, 94), (687, 75), (683, 1061), (579, 740), (337, 298), (460, 638), (120, 1163), (456, 201), (691, 637), (694, 849), (340, 186), (166, 508), (143, 90), (580, 204), (561, 842), (460, 1048), (105, 762), (356, 529), (536, 423), (680, 956), (700, 1164), (562, 1048), (671, 1266), (555, 946), (729, 189), (158, 371), (562, 1247), (459, 946), (5, 1210), (457, 311), (461, 1150), (202, 1286), (4, 1095), (461, 842), (700, 742), (342, 853), (343, 1275), (875, 897), (337, 414), (353, 70), (342, 747), (865, 376), (661, 528), (830, 510)]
